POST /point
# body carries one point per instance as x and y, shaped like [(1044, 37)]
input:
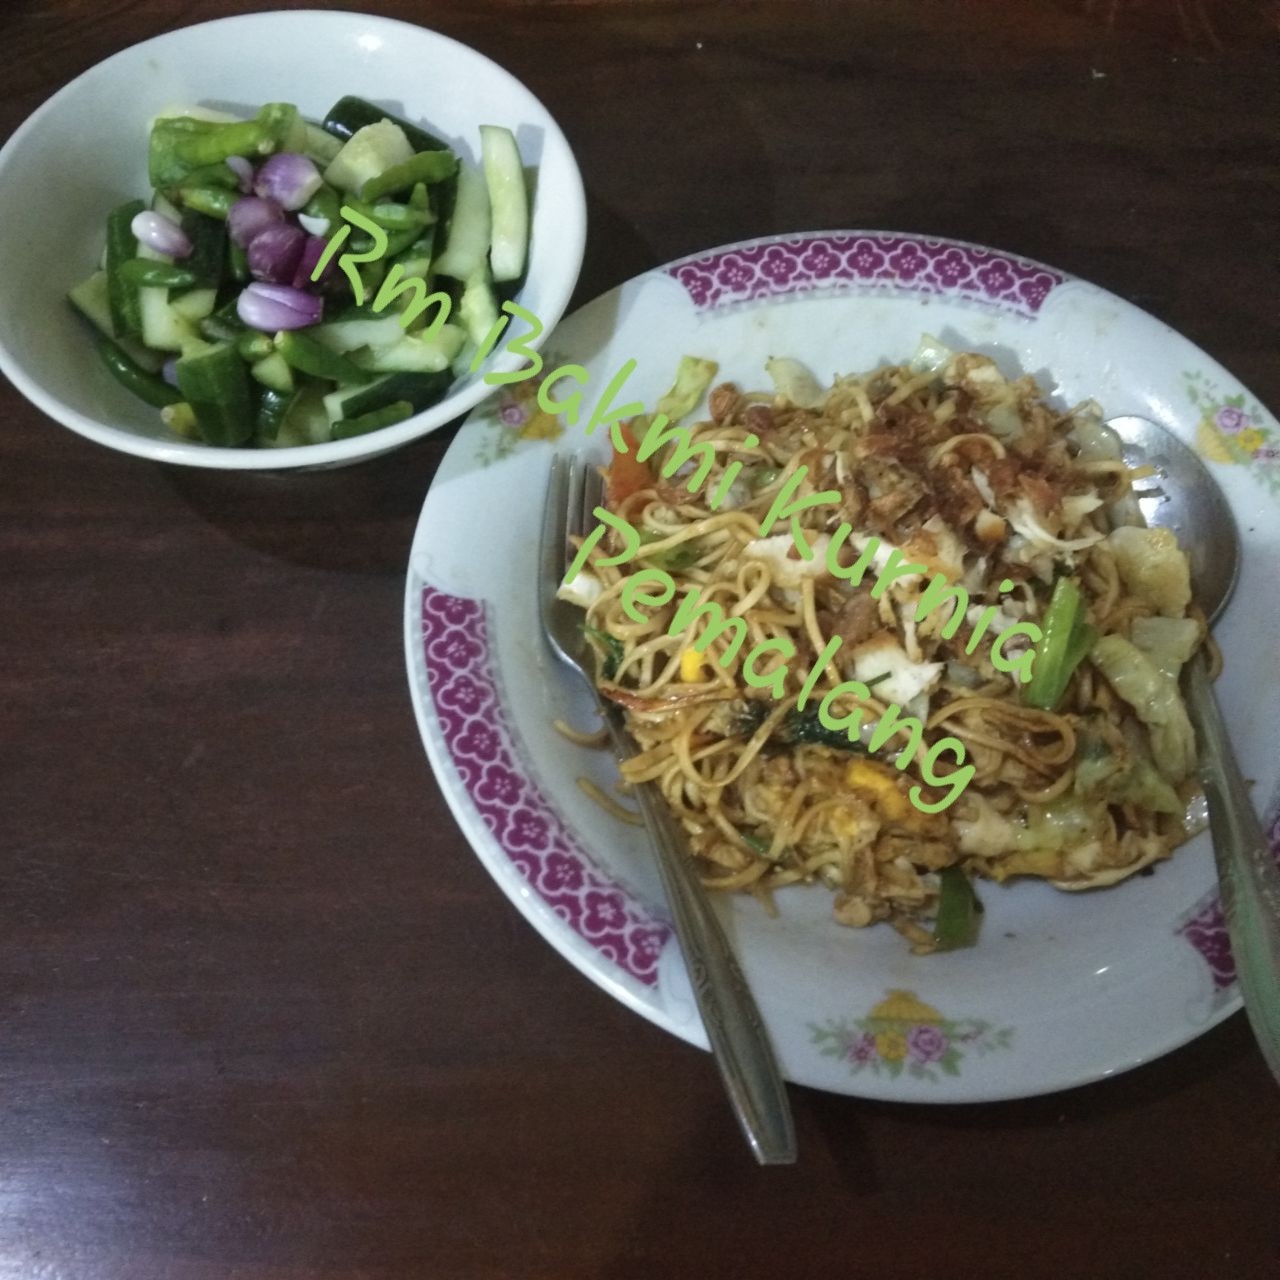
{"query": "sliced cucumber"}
[(126, 311), (347, 335), (509, 200), (478, 309), (419, 389), (273, 372), (308, 356), (369, 152), (413, 355), (163, 329), (150, 254), (225, 323), (208, 114), (306, 420), (273, 408), (322, 147), (348, 115), (195, 304), (180, 418), (467, 247), (89, 298), (215, 383), (208, 255), (348, 428), (416, 260)]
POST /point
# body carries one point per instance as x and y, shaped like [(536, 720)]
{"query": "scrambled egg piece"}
[(883, 655)]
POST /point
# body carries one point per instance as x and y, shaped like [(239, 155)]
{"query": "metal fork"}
[(738, 1039)]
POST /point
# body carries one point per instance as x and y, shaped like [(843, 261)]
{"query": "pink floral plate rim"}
[(483, 747), (778, 266)]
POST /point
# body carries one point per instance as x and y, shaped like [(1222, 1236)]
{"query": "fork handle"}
[(739, 1042), (1247, 871)]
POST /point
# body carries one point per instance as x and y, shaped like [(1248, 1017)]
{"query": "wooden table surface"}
[(263, 1014)]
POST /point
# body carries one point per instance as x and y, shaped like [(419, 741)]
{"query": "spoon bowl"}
[(1182, 496)]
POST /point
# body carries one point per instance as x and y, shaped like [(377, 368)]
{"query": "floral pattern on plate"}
[(1206, 930), (784, 265), (517, 416), (1233, 430), (902, 1034), (478, 738)]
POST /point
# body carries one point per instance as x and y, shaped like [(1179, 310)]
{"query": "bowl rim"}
[(572, 213)]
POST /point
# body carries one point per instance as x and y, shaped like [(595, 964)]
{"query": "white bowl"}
[(85, 151)]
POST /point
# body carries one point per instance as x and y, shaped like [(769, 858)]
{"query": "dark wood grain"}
[(263, 1015)]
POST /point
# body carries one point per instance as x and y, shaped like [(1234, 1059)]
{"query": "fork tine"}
[(574, 524), (551, 547), (592, 496)]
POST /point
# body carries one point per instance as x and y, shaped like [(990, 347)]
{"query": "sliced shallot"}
[(161, 234), (278, 306)]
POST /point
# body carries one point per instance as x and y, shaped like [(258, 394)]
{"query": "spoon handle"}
[(739, 1042), (1247, 871)]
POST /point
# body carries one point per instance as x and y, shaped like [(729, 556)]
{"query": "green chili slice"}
[(129, 374), (149, 274), (959, 911), (1067, 638), (387, 416)]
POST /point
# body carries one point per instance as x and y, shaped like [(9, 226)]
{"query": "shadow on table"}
[(845, 1141), (616, 251), (350, 519)]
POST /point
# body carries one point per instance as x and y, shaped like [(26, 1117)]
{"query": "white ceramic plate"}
[(1063, 988), (85, 151)]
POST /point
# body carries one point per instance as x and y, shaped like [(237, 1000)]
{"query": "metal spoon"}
[(1182, 496)]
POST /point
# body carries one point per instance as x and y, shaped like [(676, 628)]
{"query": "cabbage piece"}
[(693, 377), (1122, 776), (1061, 840), (931, 356), (1061, 824), (1155, 698), (981, 830), (1003, 420), (1141, 784), (965, 676), (1096, 763), (1173, 745), (1153, 568), (1075, 506), (1027, 521), (1094, 441), (980, 376), (996, 400), (1090, 868), (983, 486), (1020, 550), (1051, 827), (1168, 642), (793, 381)]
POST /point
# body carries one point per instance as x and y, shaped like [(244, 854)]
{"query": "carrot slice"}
[(626, 474)]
